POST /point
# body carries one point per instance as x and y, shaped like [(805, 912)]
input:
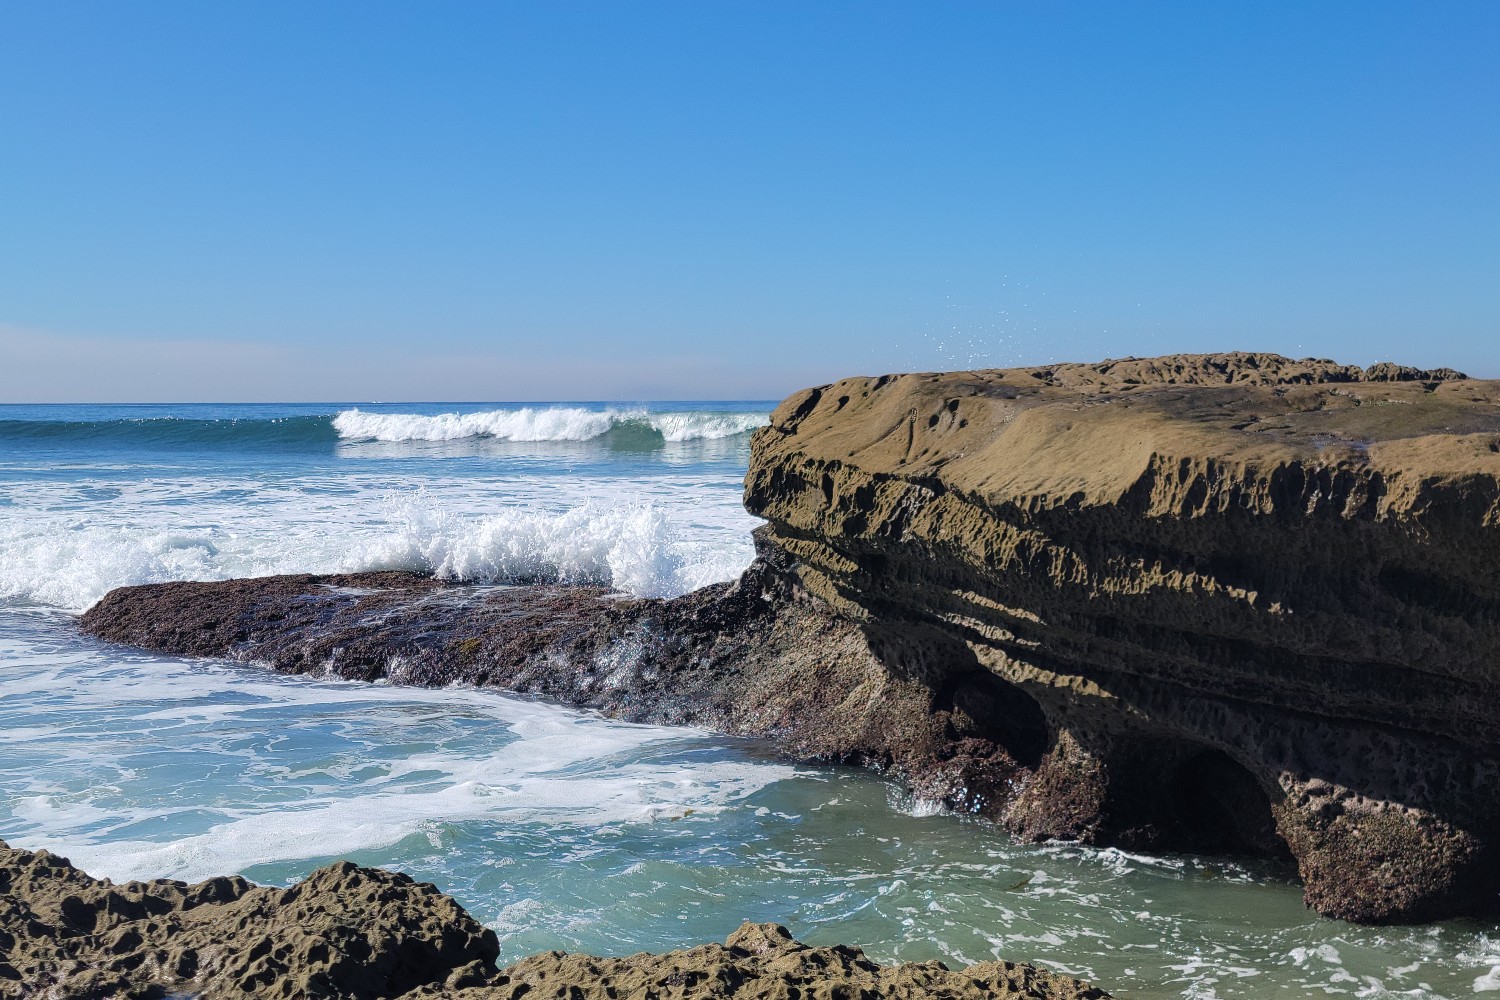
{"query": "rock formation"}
[(364, 934), (1213, 602), (1253, 601)]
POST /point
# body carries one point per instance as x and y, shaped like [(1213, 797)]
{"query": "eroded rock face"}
[(346, 931), (1255, 599), (364, 934)]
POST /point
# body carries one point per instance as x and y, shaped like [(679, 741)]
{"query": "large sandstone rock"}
[(350, 933), (1248, 602)]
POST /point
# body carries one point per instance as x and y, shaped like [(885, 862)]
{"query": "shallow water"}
[(558, 829)]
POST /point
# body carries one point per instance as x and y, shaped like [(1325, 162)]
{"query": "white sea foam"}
[(562, 423), (399, 766), (526, 783), (615, 534)]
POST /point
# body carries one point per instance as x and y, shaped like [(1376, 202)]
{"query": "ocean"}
[(557, 828)]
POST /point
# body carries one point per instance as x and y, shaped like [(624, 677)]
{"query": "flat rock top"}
[(1089, 432)]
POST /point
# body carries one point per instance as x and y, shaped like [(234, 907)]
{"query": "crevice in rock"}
[(1160, 795), (1217, 806), (981, 705)]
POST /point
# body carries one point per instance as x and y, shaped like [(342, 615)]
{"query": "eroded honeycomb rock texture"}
[(351, 933), (1223, 601)]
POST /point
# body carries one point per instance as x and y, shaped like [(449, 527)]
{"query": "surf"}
[(536, 424)]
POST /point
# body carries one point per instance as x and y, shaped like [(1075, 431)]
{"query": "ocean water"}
[(554, 827)]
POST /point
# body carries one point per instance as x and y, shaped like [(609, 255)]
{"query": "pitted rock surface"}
[(1255, 599), (348, 932), (351, 933), (762, 960)]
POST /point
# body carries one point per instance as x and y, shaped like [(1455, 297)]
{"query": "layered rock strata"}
[(365, 934), (1254, 600), (1209, 602)]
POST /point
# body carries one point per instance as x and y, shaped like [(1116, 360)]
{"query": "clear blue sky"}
[(730, 198)]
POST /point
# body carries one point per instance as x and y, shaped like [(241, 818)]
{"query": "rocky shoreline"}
[(357, 933), (1211, 602)]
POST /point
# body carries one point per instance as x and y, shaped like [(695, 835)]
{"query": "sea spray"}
[(643, 548), (633, 547)]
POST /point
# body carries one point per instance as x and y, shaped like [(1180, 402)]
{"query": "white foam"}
[(1323, 953), (540, 424), (520, 785), (403, 768), (705, 426), (526, 424), (650, 541), (634, 548)]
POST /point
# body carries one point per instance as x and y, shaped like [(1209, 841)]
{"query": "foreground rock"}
[(361, 934), (1219, 602)]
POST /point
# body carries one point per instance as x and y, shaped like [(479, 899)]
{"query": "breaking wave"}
[(639, 548), (545, 424), (635, 428)]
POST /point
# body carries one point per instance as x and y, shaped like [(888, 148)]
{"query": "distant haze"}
[(589, 200)]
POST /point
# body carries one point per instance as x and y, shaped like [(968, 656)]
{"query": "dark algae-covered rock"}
[(1229, 603), (351, 933), (755, 657)]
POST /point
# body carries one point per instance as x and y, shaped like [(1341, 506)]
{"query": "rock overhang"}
[(1287, 564)]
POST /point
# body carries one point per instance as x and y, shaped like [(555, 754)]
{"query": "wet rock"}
[(762, 960), (365, 934)]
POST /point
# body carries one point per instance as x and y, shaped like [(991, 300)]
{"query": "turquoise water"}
[(558, 829)]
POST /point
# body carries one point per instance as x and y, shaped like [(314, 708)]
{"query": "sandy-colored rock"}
[(351, 933), (1255, 599)]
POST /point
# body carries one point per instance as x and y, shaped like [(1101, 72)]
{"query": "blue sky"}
[(730, 199)]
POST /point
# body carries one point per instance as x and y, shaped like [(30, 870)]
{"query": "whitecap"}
[(550, 423)]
